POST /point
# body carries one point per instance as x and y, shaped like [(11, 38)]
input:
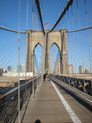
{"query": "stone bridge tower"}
[(58, 37)]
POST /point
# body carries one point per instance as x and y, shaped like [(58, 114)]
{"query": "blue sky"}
[(51, 10)]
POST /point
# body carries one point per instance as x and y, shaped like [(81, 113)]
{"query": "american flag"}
[(47, 24)]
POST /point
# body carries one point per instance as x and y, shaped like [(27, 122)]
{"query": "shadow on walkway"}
[(37, 121)]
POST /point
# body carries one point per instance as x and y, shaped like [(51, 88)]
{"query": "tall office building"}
[(86, 71), (81, 69), (9, 68), (57, 67), (21, 68), (70, 68), (2, 70)]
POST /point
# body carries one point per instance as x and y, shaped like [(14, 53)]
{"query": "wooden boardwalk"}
[(47, 106)]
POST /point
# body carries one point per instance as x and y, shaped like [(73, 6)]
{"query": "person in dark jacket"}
[(44, 76)]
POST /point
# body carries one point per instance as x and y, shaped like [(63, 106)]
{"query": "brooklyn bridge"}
[(46, 61)]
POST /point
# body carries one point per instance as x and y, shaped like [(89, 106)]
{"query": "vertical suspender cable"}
[(63, 64), (73, 38), (32, 15), (33, 62), (88, 43), (43, 58), (65, 28), (70, 49), (37, 59), (19, 67), (70, 38), (80, 40), (44, 53), (80, 31), (0, 43), (27, 16), (65, 60), (37, 49), (26, 54), (33, 28)]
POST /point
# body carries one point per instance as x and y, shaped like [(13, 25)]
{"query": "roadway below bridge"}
[(56, 102), (11, 81)]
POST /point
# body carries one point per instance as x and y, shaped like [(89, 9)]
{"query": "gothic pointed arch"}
[(56, 45), (36, 46), (58, 37)]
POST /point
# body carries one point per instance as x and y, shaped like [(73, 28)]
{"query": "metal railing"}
[(81, 84), (9, 101)]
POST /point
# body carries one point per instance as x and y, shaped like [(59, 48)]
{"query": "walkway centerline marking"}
[(73, 116)]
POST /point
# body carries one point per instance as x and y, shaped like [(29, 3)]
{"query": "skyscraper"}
[(21, 68), (9, 68), (81, 69), (57, 67), (71, 68), (86, 71), (2, 70)]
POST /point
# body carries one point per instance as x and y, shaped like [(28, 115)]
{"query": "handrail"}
[(2, 96), (76, 82), (9, 100)]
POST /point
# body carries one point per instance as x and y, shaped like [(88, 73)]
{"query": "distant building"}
[(14, 71), (81, 69), (52, 71), (9, 68), (86, 71), (2, 70), (70, 68), (21, 68), (57, 67)]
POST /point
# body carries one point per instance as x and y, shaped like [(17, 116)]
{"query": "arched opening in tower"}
[(37, 59), (54, 60)]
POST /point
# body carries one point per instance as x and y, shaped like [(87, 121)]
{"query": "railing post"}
[(84, 86), (42, 78), (30, 90), (91, 87), (37, 82), (68, 80), (33, 87)]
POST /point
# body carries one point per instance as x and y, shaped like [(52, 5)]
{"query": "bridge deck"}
[(48, 107)]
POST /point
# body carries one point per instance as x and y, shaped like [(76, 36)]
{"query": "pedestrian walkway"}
[(46, 106)]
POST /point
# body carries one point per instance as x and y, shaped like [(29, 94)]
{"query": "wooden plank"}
[(46, 106), (77, 104)]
